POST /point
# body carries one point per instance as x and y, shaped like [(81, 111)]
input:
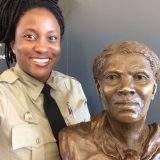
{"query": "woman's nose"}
[(126, 86), (41, 46)]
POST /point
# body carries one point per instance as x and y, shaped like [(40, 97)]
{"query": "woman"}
[(31, 31)]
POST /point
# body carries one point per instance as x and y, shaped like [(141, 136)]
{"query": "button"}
[(28, 116), (38, 141)]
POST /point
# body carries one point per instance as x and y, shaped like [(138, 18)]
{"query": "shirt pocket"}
[(28, 141)]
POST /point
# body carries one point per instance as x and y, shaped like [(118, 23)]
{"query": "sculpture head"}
[(126, 77)]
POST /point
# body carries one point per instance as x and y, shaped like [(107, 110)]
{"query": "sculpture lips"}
[(127, 101), (128, 106)]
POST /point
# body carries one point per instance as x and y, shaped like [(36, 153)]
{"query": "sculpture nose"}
[(126, 87), (126, 91)]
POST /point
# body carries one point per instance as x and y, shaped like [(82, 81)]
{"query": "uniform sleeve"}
[(3, 106), (79, 101)]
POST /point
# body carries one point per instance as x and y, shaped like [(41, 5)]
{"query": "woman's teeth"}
[(44, 60)]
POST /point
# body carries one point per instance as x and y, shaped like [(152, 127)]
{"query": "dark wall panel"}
[(93, 24)]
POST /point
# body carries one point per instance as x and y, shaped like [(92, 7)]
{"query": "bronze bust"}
[(126, 76)]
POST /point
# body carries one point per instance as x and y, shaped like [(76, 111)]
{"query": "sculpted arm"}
[(76, 144), (67, 145)]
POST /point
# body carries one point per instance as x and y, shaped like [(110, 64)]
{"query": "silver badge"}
[(28, 116)]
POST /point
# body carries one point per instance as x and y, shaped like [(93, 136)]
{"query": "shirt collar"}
[(33, 86)]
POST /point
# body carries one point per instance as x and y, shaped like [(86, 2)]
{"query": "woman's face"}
[(37, 43)]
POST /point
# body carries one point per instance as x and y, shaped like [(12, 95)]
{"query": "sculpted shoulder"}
[(74, 131)]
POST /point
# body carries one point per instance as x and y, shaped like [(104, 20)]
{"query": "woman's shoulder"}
[(8, 76), (60, 75), (69, 81)]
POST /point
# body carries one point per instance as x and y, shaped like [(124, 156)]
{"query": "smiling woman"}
[(32, 31), (37, 47)]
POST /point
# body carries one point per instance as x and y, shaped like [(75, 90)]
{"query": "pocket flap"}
[(29, 135)]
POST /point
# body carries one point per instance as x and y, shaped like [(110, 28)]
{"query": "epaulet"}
[(59, 74), (8, 76)]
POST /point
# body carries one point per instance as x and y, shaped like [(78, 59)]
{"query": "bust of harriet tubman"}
[(126, 77)]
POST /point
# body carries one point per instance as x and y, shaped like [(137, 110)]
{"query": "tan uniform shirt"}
[(25, 133)]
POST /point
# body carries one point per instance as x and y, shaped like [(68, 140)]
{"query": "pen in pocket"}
[(70, 110)]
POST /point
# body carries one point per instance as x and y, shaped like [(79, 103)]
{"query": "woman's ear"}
[(12, 47)]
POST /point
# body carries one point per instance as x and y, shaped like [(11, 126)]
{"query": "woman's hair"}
[(126, 47), (10, 13)]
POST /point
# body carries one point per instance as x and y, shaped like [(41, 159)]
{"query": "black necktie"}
[(52, 111)]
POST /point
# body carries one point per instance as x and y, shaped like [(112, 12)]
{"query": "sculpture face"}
[(127, 86)]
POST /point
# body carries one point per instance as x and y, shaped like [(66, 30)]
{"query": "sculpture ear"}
[(98, 88), (154, 90)]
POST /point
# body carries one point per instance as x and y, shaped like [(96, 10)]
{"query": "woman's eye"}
[(30, 37), (52, 38)]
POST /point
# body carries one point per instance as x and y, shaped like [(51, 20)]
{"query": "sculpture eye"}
[(141, 77), (112, 76)]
